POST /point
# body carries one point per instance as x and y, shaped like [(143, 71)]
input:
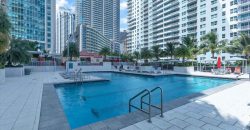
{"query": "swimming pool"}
[(95, 101)]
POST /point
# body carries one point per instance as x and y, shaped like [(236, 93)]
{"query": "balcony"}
[(192, 19)]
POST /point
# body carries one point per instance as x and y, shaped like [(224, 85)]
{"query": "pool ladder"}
[(143, 94)]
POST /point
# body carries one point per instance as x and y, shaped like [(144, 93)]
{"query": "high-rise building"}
[(159, 22), (65, 26), (90, 40), (123, 41), (33, 20), (101, 15)]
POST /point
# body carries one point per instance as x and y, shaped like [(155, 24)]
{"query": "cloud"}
[(73, 9), (123, 5), (61, 3), (124, 20), (122, 29)]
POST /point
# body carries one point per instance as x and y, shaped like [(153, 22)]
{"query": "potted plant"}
[(15, 57)]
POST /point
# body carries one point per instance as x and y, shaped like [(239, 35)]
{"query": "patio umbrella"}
[(219, 62)]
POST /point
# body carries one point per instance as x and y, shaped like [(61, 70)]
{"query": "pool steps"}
[(143, 94)]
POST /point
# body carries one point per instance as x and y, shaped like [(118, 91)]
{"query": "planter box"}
[(183, 69), (14, 71), (2, 76)]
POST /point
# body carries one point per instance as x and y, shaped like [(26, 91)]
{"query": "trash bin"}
[(27, 71)]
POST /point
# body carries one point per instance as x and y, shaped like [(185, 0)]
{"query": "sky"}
[(123, 10)]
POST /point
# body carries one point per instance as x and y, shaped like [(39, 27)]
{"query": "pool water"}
[(95, 101)]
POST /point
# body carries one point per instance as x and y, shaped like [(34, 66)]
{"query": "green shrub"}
[(185, 64)]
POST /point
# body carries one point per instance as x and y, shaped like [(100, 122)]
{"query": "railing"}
[(161, 102), (149, 102), (145, 93), (42, 63), (90, 64)]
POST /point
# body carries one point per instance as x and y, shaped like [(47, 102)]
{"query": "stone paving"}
[(20, 100), (225, 110)]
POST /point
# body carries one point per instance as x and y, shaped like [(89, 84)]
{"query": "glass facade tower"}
[(33, 20), (101, 15)]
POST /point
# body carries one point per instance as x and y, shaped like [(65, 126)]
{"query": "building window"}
[(224, 6), (213, 2), (202, 26), (214, 30), (214, 9), (223, 20), (223, 28), (203, 12), (214, 16), (223, 35), (203, 6), (202, 33), (223, 13), (203, 19), (214, 23)]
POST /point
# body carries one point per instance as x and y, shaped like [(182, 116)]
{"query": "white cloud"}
[(123, 5), (124, 20), (122, 29), (73, 9), (61, 3)]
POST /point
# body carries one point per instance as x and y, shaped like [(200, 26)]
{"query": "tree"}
[(240, 45), (156, 52), (211, 43), (4, 40), (126, 57), (185, 49), (170, 49), (17, 53), (136, 54), (105, 51), (4, 30), (146, 54), (73, 51)]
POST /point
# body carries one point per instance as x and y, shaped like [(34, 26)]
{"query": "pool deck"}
[(20, 99), (196, 73), (225, 110), (20, 106)]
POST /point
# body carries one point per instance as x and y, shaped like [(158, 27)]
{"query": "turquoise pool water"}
[(91, 102)]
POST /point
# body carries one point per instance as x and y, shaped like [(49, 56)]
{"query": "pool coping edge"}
[(52, 110)]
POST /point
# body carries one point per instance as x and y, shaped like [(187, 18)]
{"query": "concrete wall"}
[(183, 69), (106, 66), (14, 71), (2, 76)]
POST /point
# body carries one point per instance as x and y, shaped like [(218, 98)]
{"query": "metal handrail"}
[(149, 102), (161, 105)]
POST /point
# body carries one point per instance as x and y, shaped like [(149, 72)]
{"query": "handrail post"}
[(161, 102), (149, 107)]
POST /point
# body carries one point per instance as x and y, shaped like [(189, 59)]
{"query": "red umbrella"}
[(219, 62)]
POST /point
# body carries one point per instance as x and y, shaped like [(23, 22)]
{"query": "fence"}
[(44, 66)]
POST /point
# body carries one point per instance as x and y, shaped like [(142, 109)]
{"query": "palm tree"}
[(170, 49), (136, 54), (4, 30), (185, 49), (146, 54), (240, 45), (73, 51), (211, 43), (182, 52), (105, 51), (156, 52)]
